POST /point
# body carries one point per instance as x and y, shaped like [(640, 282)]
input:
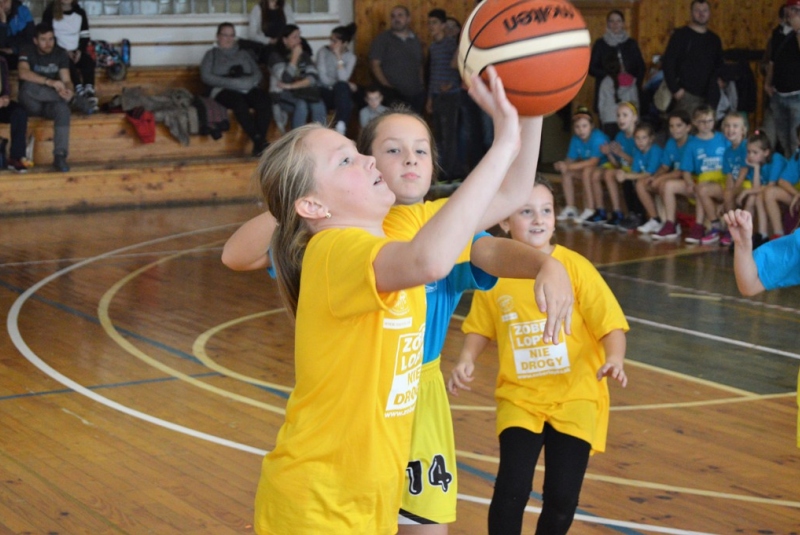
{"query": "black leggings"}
[(565, 463)]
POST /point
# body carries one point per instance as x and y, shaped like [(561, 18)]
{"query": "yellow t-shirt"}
[(339, 460), (539, 382)]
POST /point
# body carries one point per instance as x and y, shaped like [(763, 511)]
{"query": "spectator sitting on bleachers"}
[(16, 29), (15, 115), (71, 28), (45, 88), (374, 99), (335, 63), (294, 80), (234, 77), (267, 20)]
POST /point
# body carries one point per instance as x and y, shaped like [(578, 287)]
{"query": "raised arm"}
[(247, 248), (431, 254), (740, 225), (503, 257)]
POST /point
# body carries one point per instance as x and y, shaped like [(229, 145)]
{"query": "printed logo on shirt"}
[(533, 357), (506, 305), (407, 372), (400, 308)]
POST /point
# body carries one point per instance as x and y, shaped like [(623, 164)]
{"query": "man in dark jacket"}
[(16, 30)]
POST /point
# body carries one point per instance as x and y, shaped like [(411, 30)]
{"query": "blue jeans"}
[(339, 98), (299, 109), (786, 114)]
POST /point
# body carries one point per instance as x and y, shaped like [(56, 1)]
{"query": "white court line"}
[(597, 520), (723, 339)]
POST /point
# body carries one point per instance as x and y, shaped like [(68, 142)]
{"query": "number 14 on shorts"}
[(437, 475)]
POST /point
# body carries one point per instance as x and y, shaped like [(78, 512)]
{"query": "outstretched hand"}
[(555, 297), (740, 225), (460, 377), (492, 99), (615, 371)]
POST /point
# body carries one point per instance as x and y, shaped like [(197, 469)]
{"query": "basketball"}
[(540, 48)]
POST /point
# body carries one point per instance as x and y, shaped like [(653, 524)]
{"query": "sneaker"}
[(630, 223), (668, 231), (88, 91), (651, 227), (597, 218), (583, 216), (60, 163), (341, 127), (614, 221), (711, 237), (20, 166), (696, 234), (725, 239), (569, 212)]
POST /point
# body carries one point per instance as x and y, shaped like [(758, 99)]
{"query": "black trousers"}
[(255, 125), (565, 461), (17, 117)]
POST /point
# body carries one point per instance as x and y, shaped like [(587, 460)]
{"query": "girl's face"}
[(678, 130), (734, 130), (535, 222), (582, 128), (626, 118), (402, 150), (348, 184), (292, 40), (704, 124), (756, 153), (643, 140)]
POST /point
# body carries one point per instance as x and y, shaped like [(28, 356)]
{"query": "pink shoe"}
[(696, 234)]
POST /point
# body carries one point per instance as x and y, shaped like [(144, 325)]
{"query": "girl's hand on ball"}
[(494, 102)]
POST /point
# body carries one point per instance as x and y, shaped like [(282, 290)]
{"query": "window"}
[(98, 8)]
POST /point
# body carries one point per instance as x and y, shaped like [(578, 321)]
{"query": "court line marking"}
[(12, 325), (199, 351), (648, 484), (108, 326), (690, 378), (28, 263), (596, 520)]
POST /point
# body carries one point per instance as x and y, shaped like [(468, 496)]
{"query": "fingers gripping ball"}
[(540, 48)]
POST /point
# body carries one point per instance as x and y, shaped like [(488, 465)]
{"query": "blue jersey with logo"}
[(770, 171), (791, 173), (672, 154), (627, 143), (647, 162), (580, 150), (734, 159), (703, 157)]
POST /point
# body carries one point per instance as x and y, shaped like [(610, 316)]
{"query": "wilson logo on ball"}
[(540, 48)]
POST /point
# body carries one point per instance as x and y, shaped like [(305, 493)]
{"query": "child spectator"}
[(785, 191), (763, 167), (583, 158), (669, 180), (374, 99), (335, 63), (616, 87), (646, 162), (620, 156), (71, 28), (548, 396), (702, 162), (711, 194)]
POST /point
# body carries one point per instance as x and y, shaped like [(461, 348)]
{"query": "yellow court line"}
[(649, 485), (199, 351), (111, 331), (695, 296), (686, 252)]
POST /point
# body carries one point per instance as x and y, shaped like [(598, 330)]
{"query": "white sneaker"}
[(341, 127), (650, 227), (569, 212), (583, 216)]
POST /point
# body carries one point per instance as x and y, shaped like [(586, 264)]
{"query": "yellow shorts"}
[(712, 176), (609, 165), (431, 484)]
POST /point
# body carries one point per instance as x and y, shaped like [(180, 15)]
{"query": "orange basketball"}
[(540, 48)]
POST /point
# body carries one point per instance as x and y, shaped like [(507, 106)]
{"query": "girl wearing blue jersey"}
[(646, 162), (583, 158), (680, 127), (785, 191), (711, 194), (763, 167), (620, 156)]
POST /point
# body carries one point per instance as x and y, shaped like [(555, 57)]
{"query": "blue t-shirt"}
[(770, 171), (704, 156), (734, 159), (580, 150), (627, 143), (648, 162), (778, 262), (443, 297), (791, 173), (672, 154)]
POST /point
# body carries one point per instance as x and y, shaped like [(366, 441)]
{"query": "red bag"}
[(144, 122)]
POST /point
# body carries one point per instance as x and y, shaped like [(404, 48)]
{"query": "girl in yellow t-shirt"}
[(337, 466), (548, 395)]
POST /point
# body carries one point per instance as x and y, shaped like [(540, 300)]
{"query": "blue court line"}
[(130, 334), (536, 496)]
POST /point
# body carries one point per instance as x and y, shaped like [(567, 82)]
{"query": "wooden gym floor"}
[(141, 382)]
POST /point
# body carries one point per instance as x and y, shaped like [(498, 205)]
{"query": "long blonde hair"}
[(285, 174)]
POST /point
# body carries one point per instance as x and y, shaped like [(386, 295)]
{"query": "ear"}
[(505, 226), (309, 207)]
